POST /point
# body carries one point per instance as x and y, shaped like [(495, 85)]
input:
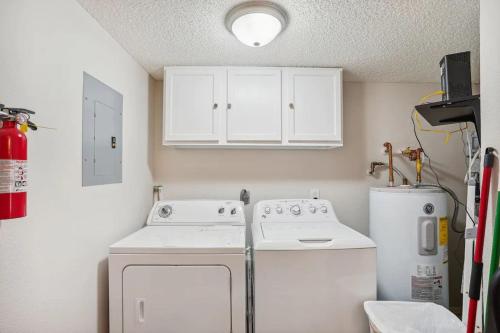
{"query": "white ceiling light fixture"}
[(256, 23)]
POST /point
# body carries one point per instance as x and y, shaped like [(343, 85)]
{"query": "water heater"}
[(410, 227)]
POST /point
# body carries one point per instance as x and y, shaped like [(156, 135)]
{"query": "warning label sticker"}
[(13, 176), (427, 284), (443, 237), (443, 231)]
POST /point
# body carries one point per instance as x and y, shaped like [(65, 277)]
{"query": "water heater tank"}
[(410, 227)]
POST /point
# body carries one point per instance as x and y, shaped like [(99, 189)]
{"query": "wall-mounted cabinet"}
[(314, 104), (253, 112), (192, 102), (252, 107)]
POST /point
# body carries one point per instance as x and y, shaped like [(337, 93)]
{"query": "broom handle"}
[(496, 241), (494, 262), (477, 265)]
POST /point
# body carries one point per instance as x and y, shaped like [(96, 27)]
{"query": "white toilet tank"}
[(410, 227)]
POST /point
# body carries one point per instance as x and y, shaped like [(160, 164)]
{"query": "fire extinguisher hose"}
[(477, 264)]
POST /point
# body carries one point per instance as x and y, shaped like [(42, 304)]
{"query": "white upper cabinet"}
[(313, 100), (194, 98), (254, 105)]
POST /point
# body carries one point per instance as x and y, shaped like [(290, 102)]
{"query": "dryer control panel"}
[(197, 212), (294, 210)]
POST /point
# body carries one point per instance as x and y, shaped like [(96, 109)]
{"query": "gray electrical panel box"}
[(101, 133)]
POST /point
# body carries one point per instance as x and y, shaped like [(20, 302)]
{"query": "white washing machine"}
[(311, 272), (185, 272)]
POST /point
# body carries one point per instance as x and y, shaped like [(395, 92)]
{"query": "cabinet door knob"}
[(291, 106), (228, 106), (215, 106)]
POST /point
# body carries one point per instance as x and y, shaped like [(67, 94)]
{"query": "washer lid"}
[(183, 239), (308, 235)]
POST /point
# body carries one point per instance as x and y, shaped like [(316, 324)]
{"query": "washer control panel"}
[(294, 209), (202, 212)]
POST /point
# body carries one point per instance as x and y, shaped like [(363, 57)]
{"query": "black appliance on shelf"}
[(458, 104), (456, 76)]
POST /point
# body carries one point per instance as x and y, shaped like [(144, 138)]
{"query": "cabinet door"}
[(176, 299), (193, 100), (254, 105), (313, 104)]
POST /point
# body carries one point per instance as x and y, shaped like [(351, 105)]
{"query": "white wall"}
[(53, 269), (373, 113), (490, 108)]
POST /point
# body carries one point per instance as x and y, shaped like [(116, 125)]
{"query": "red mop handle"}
[(483, 210), (477, 265)]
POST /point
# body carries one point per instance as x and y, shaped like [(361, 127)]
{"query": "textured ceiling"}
[(373, 40)]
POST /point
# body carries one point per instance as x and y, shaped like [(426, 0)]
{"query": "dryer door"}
[(173, 299)]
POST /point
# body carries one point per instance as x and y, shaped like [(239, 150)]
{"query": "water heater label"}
[(13, 176), (443, 231), (427, 283)]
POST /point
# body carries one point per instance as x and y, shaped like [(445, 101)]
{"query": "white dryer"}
[(185, 272), (311, 273)]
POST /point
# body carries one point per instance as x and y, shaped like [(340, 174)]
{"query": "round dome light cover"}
[(256, 23)]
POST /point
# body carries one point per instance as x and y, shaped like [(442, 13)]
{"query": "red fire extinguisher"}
[(13, 161)]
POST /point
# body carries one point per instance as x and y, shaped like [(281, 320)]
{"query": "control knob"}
[(312, 209), (295, 209), (165, 211), (324, 209), (279, 210)]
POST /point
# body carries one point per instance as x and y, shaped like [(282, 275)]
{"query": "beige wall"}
[(53, 269), (373, 113), (490, 106)]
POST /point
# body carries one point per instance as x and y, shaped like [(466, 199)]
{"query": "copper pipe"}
[(418, 164), (415, 155), (373, 165), (388, 150)]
